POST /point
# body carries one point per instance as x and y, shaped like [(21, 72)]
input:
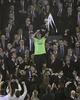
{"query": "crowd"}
[(31, 67)]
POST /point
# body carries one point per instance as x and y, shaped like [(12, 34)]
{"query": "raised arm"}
[(47, 34), (33, 35), (1, 82), (19, 86), (24, 93)]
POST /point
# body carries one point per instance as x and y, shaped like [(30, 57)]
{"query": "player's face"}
[(38, 35)]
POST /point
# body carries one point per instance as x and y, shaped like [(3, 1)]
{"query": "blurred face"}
[(20, 59), (1, 51), (28, 21), (30, 27), (47, 7), (9, 45), (16, 37), (3, 37), (12, 8), (32, 8), (11, 21), (11, 16), (44, 65), (52, 57), (65, 43), (60, 5), (70, 51), (21, 42), (32, 68), (7, 30), (74, 73), (77, 30), (32, 56), (66, 31), (77, 44), (46, 21), (69, 10), (38, 35), (47, 45), (55, 47), (13, 55), (73, 93), (61, 42), (35, 93), (26, 52), (78, 9), (78, 22), (20, 31)]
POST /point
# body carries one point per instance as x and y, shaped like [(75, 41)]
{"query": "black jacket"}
[(47, 96)]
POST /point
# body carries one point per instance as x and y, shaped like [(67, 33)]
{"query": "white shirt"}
[(9, 97), (4, 97), (21, 97), (78, 16)]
